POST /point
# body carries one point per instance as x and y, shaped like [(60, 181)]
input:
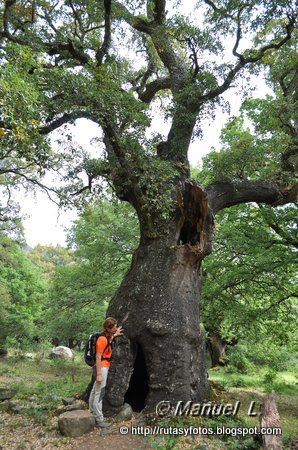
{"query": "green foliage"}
[(238, 360), (23, 292), (249, 281), (61, 62), (24, 152), (103, 239), (272, 354), (261, 142), (269, 377), (239, 156), (48, 257)]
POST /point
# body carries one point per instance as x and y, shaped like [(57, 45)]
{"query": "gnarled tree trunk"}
[(217, 348), (162, 353)]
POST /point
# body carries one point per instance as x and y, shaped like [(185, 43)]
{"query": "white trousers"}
[(97, 394)]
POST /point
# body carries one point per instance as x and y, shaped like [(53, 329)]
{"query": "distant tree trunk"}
[(217, 348), (269, 418), (3, 352), (162, 353)]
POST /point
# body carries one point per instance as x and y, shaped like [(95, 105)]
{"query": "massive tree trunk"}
[(162, 353)]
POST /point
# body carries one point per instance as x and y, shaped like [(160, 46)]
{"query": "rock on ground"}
[(76, 423), (125, 413), (7, 394), (61, 352)]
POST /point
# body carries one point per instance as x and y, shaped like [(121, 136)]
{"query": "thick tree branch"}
[(76, 53), (107, 36), (213, 6), (238, 37), (159, 13), (227, 193), (67, 117), (148, 93), (170, 56), (113, 146), (138, 23), (282, 81)]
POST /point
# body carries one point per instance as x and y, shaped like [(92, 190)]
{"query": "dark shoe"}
[(102, 424)]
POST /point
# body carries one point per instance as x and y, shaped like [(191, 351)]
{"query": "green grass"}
[(252, 386), (65, 378), (284, 382)]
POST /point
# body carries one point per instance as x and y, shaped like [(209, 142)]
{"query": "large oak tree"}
[(77, 54)]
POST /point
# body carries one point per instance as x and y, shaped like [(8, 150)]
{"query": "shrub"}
[(270, 377), (238, 361)]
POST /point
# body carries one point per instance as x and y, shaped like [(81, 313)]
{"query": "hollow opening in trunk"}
[(138, 385), (189, 234)]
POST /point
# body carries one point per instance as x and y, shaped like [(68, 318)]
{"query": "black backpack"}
[(90, 349)]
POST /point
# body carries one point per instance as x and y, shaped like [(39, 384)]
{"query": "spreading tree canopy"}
[(113, 62), (107, 62)]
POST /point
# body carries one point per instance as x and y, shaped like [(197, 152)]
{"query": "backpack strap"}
[(106, 347)]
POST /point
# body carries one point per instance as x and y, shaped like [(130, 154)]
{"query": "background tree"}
[(22, 293), (80, 73), (24, 153), (48, 257), (103, 239), (249, 280)]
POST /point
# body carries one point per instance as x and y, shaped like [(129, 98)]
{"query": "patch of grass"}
[(40, 417), (64, 378), (263, 380), (59, 378)]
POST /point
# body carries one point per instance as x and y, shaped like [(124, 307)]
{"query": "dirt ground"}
[(18, 432), (97, 441)]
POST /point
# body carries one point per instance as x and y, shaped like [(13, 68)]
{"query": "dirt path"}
[(20, 432), (96, 440)]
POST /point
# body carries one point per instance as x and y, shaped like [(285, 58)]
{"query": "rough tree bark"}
[(162, 353), (269, 418), (158, 306), (217, 348)]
